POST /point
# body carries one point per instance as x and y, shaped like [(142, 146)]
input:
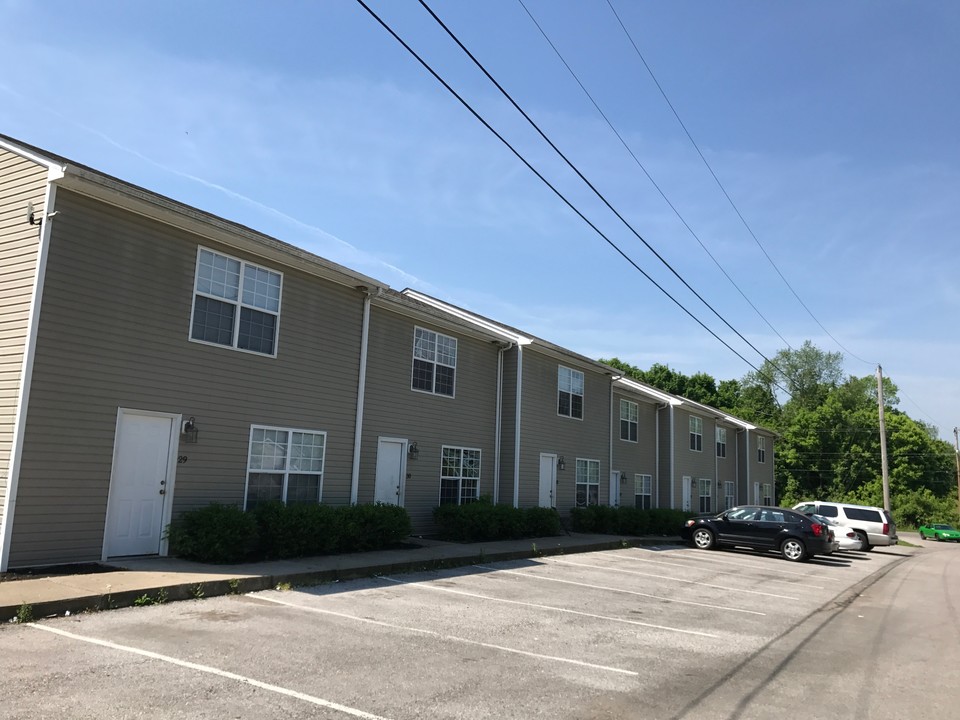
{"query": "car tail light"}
[(818, 529), (886, 528)]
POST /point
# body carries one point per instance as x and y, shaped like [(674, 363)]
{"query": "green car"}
[(940, 532)]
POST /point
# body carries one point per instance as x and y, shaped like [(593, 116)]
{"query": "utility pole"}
[(883, 442), (956, 440)]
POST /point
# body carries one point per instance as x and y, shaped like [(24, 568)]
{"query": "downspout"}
[(361, 392), (716, 464), (610, 435), (656, 457), (516, 439), (736, 468), (746, 444), (26, 369), (499, 423), (673, 450)]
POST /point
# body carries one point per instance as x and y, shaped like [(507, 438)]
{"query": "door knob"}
[(162, 491)]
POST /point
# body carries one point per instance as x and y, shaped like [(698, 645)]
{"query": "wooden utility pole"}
[(885, 468), (956, 441)]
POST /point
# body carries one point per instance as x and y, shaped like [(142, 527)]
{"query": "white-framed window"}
[(729, 495), (588, 482), (761, 449), (629, 420), (569, 393), (284, 464), (643, 491), (706, 494), (434, 362), (236, 304), (696, 433), (459, 475), (767, 494), (721, 442)]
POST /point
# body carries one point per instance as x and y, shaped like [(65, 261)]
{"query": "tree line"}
[(828, 427)]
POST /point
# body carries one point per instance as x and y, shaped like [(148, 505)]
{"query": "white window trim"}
[(639, 478), (588, 483), (696, 419), (238, 303), (721, 432), (582, 396), (459, 478), (766, 490), (286, 471), (761, 449), (636, 409), (708, 484), (414, 358), (727, 485)]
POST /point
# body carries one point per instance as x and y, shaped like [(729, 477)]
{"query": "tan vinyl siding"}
[(544, 431), (393, 409), (21, 182), (113, 333), (638, 457)]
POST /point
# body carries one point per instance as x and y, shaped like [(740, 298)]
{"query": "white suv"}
[(873, 525)]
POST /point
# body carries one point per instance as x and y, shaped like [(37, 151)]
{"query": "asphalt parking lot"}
[(590, 635)]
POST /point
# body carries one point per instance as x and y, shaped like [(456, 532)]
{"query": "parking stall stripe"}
[(552, 607), (673, 579), (713, 559), (214, 671), (441, 636), (716, 572), (621, 590)]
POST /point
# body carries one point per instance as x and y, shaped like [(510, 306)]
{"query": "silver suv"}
[(873, 525)]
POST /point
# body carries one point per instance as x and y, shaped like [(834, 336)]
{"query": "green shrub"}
[(370, 527), (214, 534), (627, 520), (482, 520), (541, 522), (298, 530)]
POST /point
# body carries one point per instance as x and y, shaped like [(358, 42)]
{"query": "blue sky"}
[(832, 126)]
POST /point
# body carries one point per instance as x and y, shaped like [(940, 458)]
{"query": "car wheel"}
[(923, 537), (793, 550), (939, 538), (703, 538), (864, 542)]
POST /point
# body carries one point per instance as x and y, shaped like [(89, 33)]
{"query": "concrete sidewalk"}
[(142, 581)]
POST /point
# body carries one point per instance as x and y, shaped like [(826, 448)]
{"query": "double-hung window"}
[(588, 482), (729, 495), (696, 433), (643, 486), (705, 494), (235, 304), (767, 494), (284, 465), (434, 362), (569, 393), (721, 442), (761, 449), (459, 475), (629, 419)]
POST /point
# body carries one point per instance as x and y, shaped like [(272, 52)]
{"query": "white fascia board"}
[(55, 170), (403, 305), (468, 317), (657, 395)]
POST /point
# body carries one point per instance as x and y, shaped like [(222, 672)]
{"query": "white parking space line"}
[(622, 558), (452, 638), (607, 588), (425, 586), (672, 579), (213, 671), (700, 556)]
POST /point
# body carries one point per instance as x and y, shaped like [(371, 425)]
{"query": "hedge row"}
[(482, 521), (226, 534), (627, 520)]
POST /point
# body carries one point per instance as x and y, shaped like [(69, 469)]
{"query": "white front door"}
[(141, 482), (614, 488), (391, 462), (687, 492), (548, 480)]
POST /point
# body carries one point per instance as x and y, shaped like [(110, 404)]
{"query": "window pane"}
[(576, 378), (422, 375), (424, 344), (624, 429), (268, 449), (261, 288), (257, 331), (212, 321), (576, 406), (449, 491), (218, 275), (263, 487), (450, 462), (471, 463), (633, 431), (306, 452), (563, 404), (469, 490), (444, 380), (563, 379), (303, 489), (446, 350)]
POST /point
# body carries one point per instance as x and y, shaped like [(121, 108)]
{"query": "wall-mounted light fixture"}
[(561, 463), (413, 452), (189, 430)]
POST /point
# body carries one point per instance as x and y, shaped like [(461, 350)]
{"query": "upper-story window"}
[(235, 304), (569, 392), (629, 418), (761, 449), (696, 433), (434, 362), (721, 442)]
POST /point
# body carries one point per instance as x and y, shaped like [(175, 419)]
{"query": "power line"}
[(724, 190), (546, 182), (649, 176)]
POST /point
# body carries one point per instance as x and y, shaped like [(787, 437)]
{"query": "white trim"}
[(460, 477), (498, 425), (436, 363), (54, 169), (620, 419), (516, 431), (405, 444), (286, 470), (169, 481), (583, 395), (673, 450), (26, 368), (361, 394), (576, 482)]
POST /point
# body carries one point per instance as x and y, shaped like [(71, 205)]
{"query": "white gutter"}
[(499, 424), (516, 440), (26, 368), (613, 378), (736, 469), (656, 457), (673, 447), (746, 444), (361, 393)]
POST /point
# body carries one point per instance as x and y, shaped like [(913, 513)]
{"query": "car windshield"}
[(942, 527)]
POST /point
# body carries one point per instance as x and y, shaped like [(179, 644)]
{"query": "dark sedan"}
[(795, 536)]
